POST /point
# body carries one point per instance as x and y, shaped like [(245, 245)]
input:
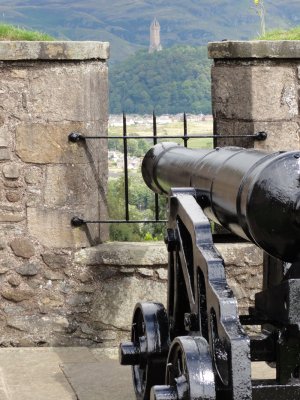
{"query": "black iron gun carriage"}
[(197, 349)]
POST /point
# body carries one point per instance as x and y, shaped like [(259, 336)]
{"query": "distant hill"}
[(174, 80), (126, 23)]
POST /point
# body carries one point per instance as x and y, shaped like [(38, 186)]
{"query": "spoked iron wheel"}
[(189, 374), (147, 352)]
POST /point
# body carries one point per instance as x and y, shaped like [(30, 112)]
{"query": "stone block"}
[(3, 136), (55, 261), (38, 324), (113, 304), (70, 89), (11, 171), (56, 50), (22, 247), (33, 175), (4, 154), (284, 135), (14, 280), (18, 294), (241, 255), (29, 269), (162, 273), (122, 254), (233, 128), (262, 92), (71, 184), (48, 144), (52, 228), (255, 49), (13, 196), (54, 276)]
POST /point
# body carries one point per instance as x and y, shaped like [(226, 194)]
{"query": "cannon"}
[(197, 348)]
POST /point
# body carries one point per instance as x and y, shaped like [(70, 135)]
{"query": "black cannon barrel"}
[(252, 193)]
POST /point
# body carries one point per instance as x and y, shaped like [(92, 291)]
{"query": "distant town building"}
[(155, 44)]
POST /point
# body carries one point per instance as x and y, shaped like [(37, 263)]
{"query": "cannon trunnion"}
[(197, 349)]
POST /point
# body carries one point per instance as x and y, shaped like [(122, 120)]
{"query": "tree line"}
[(171, 81)]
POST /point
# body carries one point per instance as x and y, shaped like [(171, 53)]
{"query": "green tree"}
[(174, 80)]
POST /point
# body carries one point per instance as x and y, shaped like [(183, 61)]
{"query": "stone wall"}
[(255, 87), (48, 90), (122, 274)]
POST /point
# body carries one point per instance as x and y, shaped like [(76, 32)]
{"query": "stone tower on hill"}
[(155, 44)]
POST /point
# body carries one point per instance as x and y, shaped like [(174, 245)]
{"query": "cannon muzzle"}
[(254, 194)]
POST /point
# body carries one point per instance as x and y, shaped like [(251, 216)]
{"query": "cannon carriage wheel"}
[(148, 350), (189, 373)]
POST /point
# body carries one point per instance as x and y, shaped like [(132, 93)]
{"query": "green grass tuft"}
[(10, 32), (279, 34)]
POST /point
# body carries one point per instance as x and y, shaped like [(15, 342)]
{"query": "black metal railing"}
[(76, 137)]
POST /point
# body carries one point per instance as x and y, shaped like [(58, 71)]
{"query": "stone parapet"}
[(255, 87), (122, 274), (268, 49), (48, 90), (73, 51)]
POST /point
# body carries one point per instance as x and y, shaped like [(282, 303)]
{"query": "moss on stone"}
[(280, 34), (11, 32)]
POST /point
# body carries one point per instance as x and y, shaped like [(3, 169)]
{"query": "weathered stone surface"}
[(282, 135), (71, 185), (121, 254), (54, 275), (55, 261), (58, 50), (14, 280), (4, 154), (244, 92), (3, 269), (29, 269), (11, 171), (22, 292), (85, 277), (145, 271), (162, 273), (107, 335), (36, 158), (13, 184), (13, 196), (22, 247), (53, 300), (2, 243), (79, 299), (4, 138), (6, 216), (33, 143), (68, 89), (113, 304), (283, 49), (241, 255), (53, 229), (38, 324), (33, 175)]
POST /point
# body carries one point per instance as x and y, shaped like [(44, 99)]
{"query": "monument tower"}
[(155, 44)]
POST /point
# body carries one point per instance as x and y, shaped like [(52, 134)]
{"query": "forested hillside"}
[(172, 81), (126, 23)]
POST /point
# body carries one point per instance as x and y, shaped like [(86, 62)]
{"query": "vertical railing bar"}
[(155, 142), (125, 167), (154, 129), (185, 130)]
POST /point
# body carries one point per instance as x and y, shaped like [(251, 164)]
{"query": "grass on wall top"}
[(279, 34), (10, 32)]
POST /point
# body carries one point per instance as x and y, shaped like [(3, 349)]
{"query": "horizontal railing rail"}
[(76, 137)]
